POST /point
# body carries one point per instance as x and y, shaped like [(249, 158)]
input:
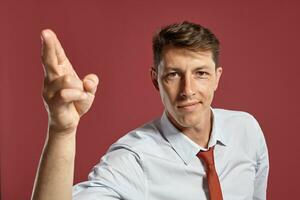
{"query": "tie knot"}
[(207, 156)]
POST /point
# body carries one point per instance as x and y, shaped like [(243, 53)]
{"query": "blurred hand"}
[(65, 95)]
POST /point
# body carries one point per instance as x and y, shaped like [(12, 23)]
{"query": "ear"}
[(219, 71), (153, 74)]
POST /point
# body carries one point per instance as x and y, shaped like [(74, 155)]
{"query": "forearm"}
[(55, 174)]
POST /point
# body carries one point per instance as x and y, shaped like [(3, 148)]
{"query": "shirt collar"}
[(183, 145)]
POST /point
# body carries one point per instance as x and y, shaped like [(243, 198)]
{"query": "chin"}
[(188, 120)]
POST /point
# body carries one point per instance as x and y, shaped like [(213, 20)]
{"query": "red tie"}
[(214, 187)]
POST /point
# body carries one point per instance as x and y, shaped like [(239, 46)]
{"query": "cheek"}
[(205, 88), (169, 93)]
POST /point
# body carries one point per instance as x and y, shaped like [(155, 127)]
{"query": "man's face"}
[(187, 81)]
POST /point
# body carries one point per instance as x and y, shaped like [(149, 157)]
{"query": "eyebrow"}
[(202, 67), (169, 68)]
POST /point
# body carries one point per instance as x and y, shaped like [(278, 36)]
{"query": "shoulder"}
[(125, 155), (139, 139), (226, 114), (239, 124), (242, 133), (236, 118)]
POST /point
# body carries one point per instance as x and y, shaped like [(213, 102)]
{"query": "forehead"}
[(183, 58)]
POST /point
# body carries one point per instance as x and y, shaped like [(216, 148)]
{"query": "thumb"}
[(90, 83)]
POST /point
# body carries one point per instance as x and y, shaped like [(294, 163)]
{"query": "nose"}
[(187, 87)]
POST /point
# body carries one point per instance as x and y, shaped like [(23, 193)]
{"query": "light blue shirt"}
[(157, 162)]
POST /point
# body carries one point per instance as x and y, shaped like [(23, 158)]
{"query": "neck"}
[(200, 133)]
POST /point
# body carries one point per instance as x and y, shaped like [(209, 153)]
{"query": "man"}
[(192, 152)]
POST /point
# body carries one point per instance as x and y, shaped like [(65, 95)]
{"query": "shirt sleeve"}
[(119, 175), (262, 167)]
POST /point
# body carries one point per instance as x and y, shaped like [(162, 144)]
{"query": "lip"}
[(189, 106)]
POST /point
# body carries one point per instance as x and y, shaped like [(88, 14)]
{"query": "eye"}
[(171, 75), (201, 74)]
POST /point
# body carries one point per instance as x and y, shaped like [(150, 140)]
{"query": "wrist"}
[(62, 144), (54, 131)]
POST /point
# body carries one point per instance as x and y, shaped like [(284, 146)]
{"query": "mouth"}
[(188, 106)]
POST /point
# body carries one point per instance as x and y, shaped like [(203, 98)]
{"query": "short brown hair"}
[(184, 35)]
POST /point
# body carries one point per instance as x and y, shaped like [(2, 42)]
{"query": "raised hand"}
[(66, 96), (66, 99)]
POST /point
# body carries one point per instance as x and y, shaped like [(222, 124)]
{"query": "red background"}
[(260, 56)]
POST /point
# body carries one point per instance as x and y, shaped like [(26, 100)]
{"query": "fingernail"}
[(45, 34), (84, 95), (90, 83)]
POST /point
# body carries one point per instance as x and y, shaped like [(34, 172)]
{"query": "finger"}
[(59, 51), (49, 57), (90, 83), (63, 82), (54, 58), (70, 95), (62, 59), (84, 105)]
